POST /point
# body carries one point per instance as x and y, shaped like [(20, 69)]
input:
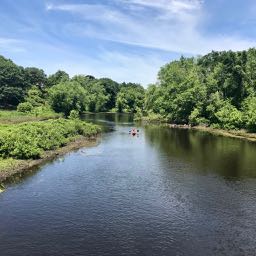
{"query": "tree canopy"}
[(33, 87), (217, 89)]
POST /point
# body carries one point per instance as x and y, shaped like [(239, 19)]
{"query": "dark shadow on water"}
[(227, 157)]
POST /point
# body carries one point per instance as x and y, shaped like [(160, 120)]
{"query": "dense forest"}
[(218, 90), (29, 89)]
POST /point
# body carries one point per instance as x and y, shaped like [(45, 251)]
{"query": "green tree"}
[(249, 113), (35, 97), (98, 97), (111, 88), (130, 98), (12, 83), (57, 78), (228, 117), (68, 96), (35, 77)]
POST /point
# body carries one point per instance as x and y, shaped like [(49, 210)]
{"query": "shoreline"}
[(239, 134), (23, 166)]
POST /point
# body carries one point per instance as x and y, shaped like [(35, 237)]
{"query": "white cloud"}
[(120, 66), (11, 45), (175, 6), (169, 25), (174, 25)]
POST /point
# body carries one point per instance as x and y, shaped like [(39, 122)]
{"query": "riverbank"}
[(10, 167), (26, 145), (239, 134)]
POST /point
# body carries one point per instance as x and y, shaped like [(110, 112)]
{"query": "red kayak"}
[(133, 132)]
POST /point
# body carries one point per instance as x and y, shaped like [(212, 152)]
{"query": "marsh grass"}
[(15, 117)]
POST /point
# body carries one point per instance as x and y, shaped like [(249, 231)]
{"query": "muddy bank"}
[(22, 166)]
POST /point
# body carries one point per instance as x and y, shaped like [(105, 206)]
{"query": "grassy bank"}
[(27, 144), (15, 117), (239, 134)]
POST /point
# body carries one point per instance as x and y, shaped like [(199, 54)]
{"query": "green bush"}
[(195, 118), (229, 117), (25, 107), (30, 140), (74, 114), (249, 113)]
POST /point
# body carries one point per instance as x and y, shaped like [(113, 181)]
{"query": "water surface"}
[(163, 192)]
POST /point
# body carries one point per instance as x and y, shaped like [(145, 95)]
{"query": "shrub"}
[(229, 117), (249, 113), (74, 114), (25, 107), (30, 140), (195, 118)]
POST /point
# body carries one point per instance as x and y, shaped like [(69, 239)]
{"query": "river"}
[(162, 192)]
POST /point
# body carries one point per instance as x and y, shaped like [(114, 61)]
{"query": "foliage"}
[(37, 114), (25, 107), (179, 92), (15, 81), (101, 92), (35, 77), (30, 140), (74, 114), (196, 118), (217, 89), (19, 85), (97, 97), (249, 113), (68, 96), (229, 117), (12, 83), (35, 97), (153, 118), (57, 78), (111, 89), (130, 98)]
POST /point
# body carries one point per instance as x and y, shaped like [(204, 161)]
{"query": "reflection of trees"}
[(117, 118), (225, 156)]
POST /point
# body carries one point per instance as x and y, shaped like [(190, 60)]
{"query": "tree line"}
[(29, 88), (218, 89)]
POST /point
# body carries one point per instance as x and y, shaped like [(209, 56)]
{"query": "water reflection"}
[(108, 121), (161, 193), (228, 157)]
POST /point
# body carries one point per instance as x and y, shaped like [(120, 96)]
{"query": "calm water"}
[(164, 192)]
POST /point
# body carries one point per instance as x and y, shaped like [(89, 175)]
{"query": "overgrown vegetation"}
[(15, 117), (30, 140), (30, 88), (218, 89)]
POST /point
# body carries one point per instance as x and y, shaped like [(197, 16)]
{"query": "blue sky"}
[(126, 40)]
